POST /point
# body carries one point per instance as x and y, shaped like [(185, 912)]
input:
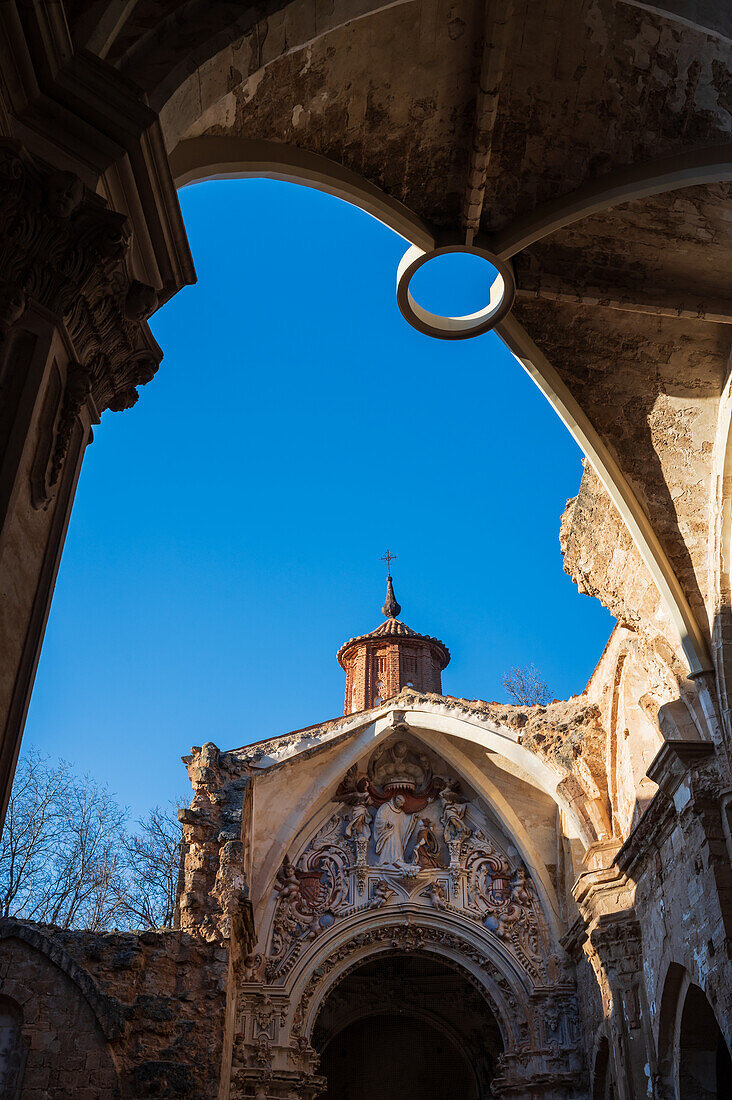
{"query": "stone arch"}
[(64, 1022), (602, 1076), (720, 559), (172, 87), (105, 1011), (537, 1024), (609, 469), (12, 1053), (423, 991), (506, 999), (611, 753), (462, 725), (694, 1061), (321, 897), (675, 980), (421, 720), (448, 933), (230, 157)]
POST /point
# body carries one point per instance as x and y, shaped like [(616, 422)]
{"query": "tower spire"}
[(380, 664), (391, 608)]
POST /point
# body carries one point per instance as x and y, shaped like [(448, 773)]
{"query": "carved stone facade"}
[(457, 881), (562, 871)]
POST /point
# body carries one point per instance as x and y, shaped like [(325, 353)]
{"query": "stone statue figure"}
[(426, 852), (358, 826), (453, 822), (392, 831)]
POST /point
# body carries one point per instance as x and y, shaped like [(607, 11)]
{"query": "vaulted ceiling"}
[(478, 116)]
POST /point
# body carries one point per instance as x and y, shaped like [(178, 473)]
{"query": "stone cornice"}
[(596, 891), (388, 634), (79, 113), (674, 759), (670, 768)]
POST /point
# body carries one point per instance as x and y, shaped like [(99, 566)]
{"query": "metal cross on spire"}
[(388, 558)]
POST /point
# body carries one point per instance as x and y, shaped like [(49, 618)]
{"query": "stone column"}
[(73, 342), (616, 942)]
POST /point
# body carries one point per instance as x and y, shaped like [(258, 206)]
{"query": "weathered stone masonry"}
[(570, 864)]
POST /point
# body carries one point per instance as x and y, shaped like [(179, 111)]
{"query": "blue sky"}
[(227, 530)]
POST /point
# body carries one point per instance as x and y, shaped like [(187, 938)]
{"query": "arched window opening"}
[(705, 1067), (403, 1027), (11, 1048), (602, 1078)]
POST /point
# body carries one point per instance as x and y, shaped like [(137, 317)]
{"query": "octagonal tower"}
[(378, 665)]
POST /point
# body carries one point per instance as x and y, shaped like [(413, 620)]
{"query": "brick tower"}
[(378, 665)]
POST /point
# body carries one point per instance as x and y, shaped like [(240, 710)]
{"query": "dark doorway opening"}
[(403, 1027), (705, 1067), (396, 1058)]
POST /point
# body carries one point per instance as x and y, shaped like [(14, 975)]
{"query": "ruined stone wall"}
[(602, 560), (61, 1049), (123, 1015), (213, 890), (680, 865), (656, 903)]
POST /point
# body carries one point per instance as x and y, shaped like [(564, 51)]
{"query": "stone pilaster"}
[(73, 342), (616, 942), (91, 242)]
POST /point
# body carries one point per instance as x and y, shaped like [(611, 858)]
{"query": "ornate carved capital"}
[(62, 248), (617, 938)]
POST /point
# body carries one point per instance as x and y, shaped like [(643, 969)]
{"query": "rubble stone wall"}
[(118, 1015), (62, 1049)]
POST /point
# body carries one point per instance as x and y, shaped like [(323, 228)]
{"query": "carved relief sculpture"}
[(428, 844)]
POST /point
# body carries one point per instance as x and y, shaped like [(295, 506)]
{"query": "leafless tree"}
[(59, 852), (85, 880), (34, 828), (526, 686), (154, 854), (67, 857)]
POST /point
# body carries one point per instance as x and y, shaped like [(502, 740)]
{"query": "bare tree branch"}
[(154, 854), (34, 827), (526, 686), (68, 859)]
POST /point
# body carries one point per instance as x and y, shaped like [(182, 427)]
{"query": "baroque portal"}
[(403, 834), (403, 916), (406, 923)]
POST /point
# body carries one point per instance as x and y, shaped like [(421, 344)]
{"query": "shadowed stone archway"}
[(404, 1026)]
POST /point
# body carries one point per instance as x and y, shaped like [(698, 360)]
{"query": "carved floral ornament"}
[(64, 249), (405, 835)]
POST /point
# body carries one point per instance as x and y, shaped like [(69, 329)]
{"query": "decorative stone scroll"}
[(402, 834)]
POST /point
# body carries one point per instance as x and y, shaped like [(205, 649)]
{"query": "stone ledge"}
[(674, 759)]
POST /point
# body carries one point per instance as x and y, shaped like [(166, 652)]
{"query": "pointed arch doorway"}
[(406, 1026)]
